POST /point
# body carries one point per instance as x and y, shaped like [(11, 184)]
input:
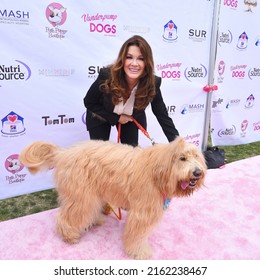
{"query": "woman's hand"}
[(125, 119)]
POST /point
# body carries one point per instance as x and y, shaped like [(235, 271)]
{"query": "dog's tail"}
[(38, 156)]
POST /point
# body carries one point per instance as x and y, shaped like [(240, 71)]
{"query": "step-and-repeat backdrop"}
[(235, 117), (51, 53)]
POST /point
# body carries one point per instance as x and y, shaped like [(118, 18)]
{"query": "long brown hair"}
[(117, 84)]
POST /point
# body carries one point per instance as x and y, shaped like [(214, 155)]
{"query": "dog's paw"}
[(141, 253)]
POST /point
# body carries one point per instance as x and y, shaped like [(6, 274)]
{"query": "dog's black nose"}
[(197, 172)]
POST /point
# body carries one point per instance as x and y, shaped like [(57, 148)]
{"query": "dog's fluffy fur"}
[(91, 173)]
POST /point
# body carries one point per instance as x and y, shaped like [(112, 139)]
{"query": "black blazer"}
[(100, 108)]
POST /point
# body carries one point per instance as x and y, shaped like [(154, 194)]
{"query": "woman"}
[(124, 90)]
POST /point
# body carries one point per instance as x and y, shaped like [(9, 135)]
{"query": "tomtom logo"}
[(62, 119), (195, 72), (227, 132), (20, 71), (56, 14)]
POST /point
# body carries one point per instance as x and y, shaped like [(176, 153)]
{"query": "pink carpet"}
[(219, 222)]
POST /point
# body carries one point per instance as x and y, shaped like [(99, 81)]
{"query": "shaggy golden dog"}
[(91, 173)]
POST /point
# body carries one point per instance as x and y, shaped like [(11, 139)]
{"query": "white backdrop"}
[(235, 117), (51, 53)]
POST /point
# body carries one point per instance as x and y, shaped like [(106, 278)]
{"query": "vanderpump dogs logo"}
[(101, 23), (13, 165), (194, 139), (256, 126), (170, 32), (250, 5), (233, 4), (225, 37), (12, 125), (56, 15), (193, 73), (238, 71), (8, 16), (19, 71), (254, 73), (242, 41), (170, 71)]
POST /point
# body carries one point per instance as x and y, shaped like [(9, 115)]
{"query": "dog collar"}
[(166, 202)]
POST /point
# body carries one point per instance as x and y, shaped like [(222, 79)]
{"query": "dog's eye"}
[(182, 158)]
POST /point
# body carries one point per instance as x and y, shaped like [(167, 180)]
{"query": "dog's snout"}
[(197, 172)]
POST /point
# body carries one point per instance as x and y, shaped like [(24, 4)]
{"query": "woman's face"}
[(134, 65)]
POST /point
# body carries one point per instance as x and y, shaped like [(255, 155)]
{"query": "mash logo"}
[(17, 72), (225, 37), (170, 32), (194, 72), (14, 16), (101, 23), (192, 108)]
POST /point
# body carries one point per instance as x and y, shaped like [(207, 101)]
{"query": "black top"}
[(100, 108)]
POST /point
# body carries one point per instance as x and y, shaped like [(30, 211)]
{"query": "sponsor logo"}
[(225, 38), (216, 103), (250, 101), (242, 41), (136, 29), (170, 32), (192, 108), (60, 120), (56, 72), (171, 109), (232, 103), (193, 72), (253, 73), (250, 4), (238, 71), (56, 15), (256, 126), (227, 132), (14, 17), (243, 128), (197, 35), (12, 125), (18, 72), (231, 3), (13, 165), (170, 71), (101, 24), (193, 139), (93, 71), (221, 70)]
